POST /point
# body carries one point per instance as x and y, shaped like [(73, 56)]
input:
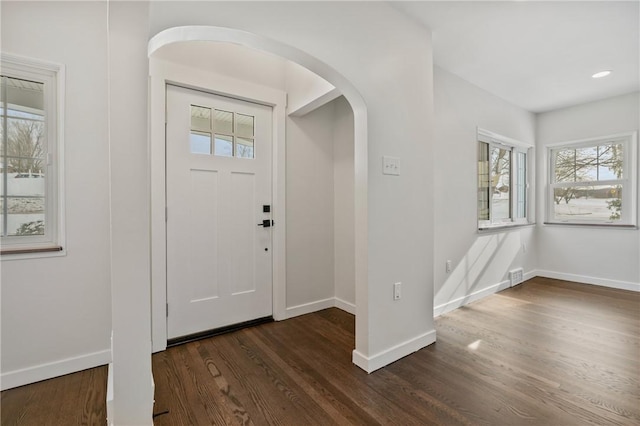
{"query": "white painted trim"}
[(52, 74), (316, 103), (310, 307), (318, 305), (110, 394), (49, 370), (465, 300), (386, 357), (528, 275), (345, 306), (584, 279), (477, 295), (577, 143), (629, 214), (487, 291), (492, 137)]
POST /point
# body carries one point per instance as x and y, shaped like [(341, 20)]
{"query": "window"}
[(30, 220), (503, 190), (222, 128), (593, 182)]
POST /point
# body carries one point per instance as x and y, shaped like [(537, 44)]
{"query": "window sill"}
[(504, 227), (31, 252), (592, 225)]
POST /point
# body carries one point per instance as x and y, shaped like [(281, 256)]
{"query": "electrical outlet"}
[(396, 291), (448, 266)]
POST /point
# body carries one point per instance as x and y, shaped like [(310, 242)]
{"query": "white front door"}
[(218, 193)]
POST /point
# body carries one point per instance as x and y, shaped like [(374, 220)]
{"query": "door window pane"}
[(200, 142), (244, 148), (223, 122), (245, 126), (200, 118), (224, 146)]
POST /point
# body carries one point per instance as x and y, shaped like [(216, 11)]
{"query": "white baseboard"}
[(584, 279), (318, 305), (528, 275), (386, 357), (110, 395), (25, 376), (476, 295), (345, 306), (310, 307)]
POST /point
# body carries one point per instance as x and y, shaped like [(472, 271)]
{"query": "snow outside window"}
[(30, 220), (593, 182), (503, 189)]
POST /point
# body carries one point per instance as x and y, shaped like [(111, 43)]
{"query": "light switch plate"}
[(390, 166)]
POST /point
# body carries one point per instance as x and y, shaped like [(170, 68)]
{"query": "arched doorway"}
[(157, 105)]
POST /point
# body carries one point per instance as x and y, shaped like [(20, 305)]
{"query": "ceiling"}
[(232, 60), (539, 55)]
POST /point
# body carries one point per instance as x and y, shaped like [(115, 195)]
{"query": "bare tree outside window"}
[(23, 158), (25, 150), (595, 169)]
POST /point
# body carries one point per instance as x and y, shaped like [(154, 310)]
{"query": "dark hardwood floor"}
[(74, 399), (546, 352)]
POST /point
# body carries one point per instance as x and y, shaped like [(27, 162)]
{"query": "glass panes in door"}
[(233, 133)]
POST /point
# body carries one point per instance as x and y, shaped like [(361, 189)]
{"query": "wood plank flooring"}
[(74, 399), (546, 352)]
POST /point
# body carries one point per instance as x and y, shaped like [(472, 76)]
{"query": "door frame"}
[(162, 73)]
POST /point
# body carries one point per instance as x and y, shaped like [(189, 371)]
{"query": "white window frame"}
[(629, 216), (495, 140), (52, 75)]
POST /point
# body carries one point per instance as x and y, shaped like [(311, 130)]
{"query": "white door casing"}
[(219, 261)]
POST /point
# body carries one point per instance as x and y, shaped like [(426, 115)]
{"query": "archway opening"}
[(198, 45)]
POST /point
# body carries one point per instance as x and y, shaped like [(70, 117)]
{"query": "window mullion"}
[(511, 180), (5, 139), (490, 195)]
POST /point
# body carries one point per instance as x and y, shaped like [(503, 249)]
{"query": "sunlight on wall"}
[(486, 264)]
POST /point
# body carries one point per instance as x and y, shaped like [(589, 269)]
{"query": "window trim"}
[(496, 140), (53, 77), (629, 220)]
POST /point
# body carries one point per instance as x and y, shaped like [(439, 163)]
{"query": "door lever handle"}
[(267, 223)]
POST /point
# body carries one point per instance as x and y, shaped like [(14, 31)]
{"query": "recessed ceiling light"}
[(601, 74)]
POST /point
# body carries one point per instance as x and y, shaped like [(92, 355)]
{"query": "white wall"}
[(320, 209), (306, 90), (310, 263), (480, 262), (343, 206), (594, 255), (231, 60), (56, 312)]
